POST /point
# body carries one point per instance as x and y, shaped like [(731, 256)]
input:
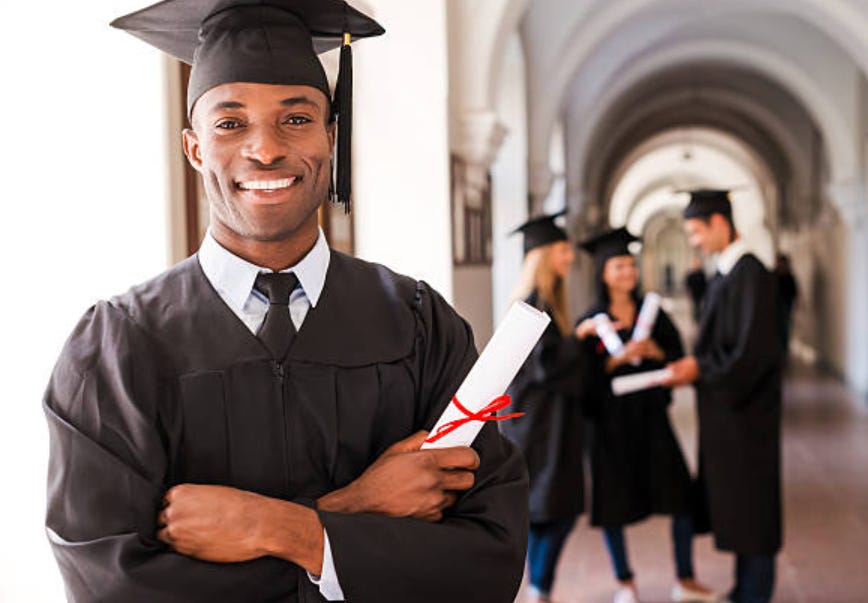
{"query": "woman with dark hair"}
[(637, 467), (546, 389)]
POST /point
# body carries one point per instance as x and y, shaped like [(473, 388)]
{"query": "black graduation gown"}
[(739, 399), (637, 467), (550, 434), (165, 385)]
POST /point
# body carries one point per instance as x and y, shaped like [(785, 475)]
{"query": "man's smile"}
[(266, 185)]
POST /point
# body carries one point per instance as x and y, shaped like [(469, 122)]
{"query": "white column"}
[(851, 202), (400, 142), (509, 179)]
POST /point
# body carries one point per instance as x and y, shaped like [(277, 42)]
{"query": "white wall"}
[(400, 142), (84, 216), (509, 178)]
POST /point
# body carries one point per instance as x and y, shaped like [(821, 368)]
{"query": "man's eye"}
[(228, 124), (297, 120)]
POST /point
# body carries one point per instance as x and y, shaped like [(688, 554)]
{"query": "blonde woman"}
[(546, 390)]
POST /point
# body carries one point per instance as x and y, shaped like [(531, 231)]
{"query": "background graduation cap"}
[(261, 41), (705, 201), (541, 231), (608, 245)]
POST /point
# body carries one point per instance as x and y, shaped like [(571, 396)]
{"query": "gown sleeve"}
[(750, 344), (108, 466), (476, 553), (593, 380), (555, 362), (668, 338)]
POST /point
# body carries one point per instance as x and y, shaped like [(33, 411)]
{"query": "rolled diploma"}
[(647, 317), (646, 320), (639, 381), (495, 369), (607, 333)]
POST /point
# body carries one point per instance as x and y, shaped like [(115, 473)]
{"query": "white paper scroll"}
[(639, 381), (495, 369), (645, 321), (607, 333), (647, 317)]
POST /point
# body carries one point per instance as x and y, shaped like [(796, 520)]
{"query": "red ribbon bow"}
[(484, 414)]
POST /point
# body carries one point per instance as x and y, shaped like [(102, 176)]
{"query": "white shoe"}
[(625, 594), (682, 593)]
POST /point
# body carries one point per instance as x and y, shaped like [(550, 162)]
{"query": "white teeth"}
[(266, 185)]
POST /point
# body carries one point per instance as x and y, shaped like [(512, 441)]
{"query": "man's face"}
[(264, 154), (710, 236)]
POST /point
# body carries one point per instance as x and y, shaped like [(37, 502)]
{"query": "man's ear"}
[(331, 130), (192, 149)]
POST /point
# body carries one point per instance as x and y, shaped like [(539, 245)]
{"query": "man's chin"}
[(270, 234), (274, 231)]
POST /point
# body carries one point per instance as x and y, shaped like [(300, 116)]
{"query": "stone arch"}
[(836, 19)]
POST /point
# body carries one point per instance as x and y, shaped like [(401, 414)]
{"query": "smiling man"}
[(736, 366), (246, 426)]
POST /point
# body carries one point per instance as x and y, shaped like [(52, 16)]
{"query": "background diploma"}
[(645, 321), (639, 381)]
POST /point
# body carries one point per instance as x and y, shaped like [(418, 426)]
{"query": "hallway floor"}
[(825, 555)]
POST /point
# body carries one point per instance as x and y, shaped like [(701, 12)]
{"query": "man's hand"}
[(647, 348), (408, 482), (225, 525), (684, 372), (213, 523)]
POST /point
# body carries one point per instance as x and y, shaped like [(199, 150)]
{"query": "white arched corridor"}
[(605, 108)]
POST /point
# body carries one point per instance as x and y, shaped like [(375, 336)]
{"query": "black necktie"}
[(277, 330)]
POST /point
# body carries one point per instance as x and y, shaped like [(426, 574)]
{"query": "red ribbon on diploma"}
[(484, 414)]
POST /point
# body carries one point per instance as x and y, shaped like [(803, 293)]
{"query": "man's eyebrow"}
[(229, 105), (299, 100), (287, 102)]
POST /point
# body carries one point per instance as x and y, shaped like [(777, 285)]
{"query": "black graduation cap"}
[(609, 244), (541, 231), (260, 41), (704, 202)]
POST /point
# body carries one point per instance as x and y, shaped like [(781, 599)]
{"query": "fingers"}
[(433, 517), (458, 457), (457, 480), (586, 327), (408, 444), (164, 536), (447, 500)]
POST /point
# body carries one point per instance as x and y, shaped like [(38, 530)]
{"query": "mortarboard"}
[(705, 202), (541, 231), (609, 244), (260, 41)]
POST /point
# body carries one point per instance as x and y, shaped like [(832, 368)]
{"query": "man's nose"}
[(263, 145)]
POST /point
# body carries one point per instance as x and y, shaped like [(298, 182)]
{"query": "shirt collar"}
[(729, 257), (233, 276)]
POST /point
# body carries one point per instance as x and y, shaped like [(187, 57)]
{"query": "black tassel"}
[(344, 103), (332, 197)]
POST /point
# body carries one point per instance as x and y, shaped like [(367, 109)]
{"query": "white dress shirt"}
[(729, 257), (233, 278)]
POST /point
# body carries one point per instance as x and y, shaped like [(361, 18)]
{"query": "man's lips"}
[(270, 185)]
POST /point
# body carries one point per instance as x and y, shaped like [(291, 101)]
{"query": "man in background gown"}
[(246, 426), (736, 367)]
